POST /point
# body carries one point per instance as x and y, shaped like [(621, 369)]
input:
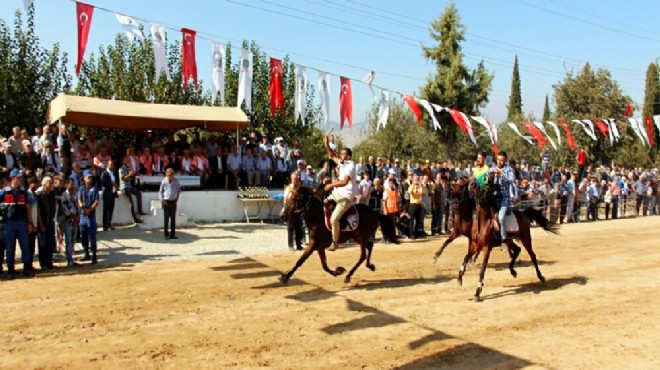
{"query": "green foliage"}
[(30, 75), (453, 84), (515, 112), (546, 110), (652, 91)]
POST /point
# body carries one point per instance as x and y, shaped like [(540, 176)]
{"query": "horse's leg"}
[(527, 243), (284, 278), (482, 273), (454, 234), (370, 248), (363, 256), (514, 252), (461, 272), (340, 270)]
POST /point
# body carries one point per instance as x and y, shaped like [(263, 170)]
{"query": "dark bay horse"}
[(304, 203), (463, 213), (483, 238)]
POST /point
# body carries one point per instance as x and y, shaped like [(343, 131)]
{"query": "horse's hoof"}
[(340, 270), (477, 298), (371, 267), (435, 259), (347, 279), (542, 279), (460, 282), (284, 279), (514, 273)]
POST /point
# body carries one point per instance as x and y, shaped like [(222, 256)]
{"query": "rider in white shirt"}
[(343, 189)]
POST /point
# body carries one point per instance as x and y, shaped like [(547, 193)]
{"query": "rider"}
[(342, 189), (480, 168), (505, 191)]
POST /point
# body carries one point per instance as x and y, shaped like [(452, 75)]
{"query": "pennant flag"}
[(429, 109), (218, 72), (27, 4), (591, 130), (649, 127), (614, 130), (515, 129), (656, 120), (84, 13), (629, 111), (541, 128), (410, 100), (276, 94), (324, 94), (569, 136), (610, 133), (602, 127), (636, 128), (491, 131), (245, 79), (345, 103), (383, 109), (160, 52), (438, 108), (131, 29), (554, 127), (462, 120), (300, 93), (585, 128), (540, 139), (369, 78), (188, 56)]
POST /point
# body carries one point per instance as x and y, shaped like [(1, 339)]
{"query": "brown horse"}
[(483, 238), (304, 203), (463, 212)]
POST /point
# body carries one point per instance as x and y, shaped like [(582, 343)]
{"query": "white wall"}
[(206, 206)]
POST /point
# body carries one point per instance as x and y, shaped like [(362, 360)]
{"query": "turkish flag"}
[(84, 13), (413, 106), (602, 127), (276, 94), (629, 111), (188, 56), (345, 103), (649, 128), (536, 133), (569, 136)]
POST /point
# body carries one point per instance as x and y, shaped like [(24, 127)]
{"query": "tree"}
[(546, 110), (30, 75), (652, 91), (453, 84), (515, 112), (595, 95)]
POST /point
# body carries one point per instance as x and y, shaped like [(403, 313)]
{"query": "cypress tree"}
[(515, 99)]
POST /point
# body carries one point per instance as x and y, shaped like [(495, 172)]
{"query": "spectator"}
[(146, 162), (216, 172), (186, 163), (174, 162), (249, 169), (365, 188), (438, 199), (126, 178), (169, 193), (593, 195), (281, 170), (109, 185), (71, 219), (264, 165), (33, 184), (29, 160), (295, 227), (310, 178), (159, 162), (376, 195), (234, 168), (88, 200), (16, 226), (46, 204), (416, 192)]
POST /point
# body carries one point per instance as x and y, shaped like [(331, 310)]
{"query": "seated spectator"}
[(146, 162), (29, 159), (234, 168), (101, 160), (186, 163), (281, 170), (159, 162), (83, 158), (249, 168), (174, 162), (264, 169), (200, 163), (49, 159), (216, 179)]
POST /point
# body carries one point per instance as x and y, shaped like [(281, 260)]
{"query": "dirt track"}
[(595, 311)]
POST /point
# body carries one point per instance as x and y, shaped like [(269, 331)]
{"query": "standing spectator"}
[(109, 185), (416, 192), (281, 170), (570, 198), (34, 220), (46, 204), (70, 222), (169, 193), (29, 160), (563, 198), (593, 195), (126, 177), (365, 188), (582, 163), (640, 190), (545, 160), (310, 178), (216, 176), (88, 200), (36, 139), (391, 200), (607, 198), (15, 141), (16, 226), (437, 204), (376, 195), (8, 160), (295, 227)]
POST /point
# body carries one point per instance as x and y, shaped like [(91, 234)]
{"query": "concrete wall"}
[(206, 206)]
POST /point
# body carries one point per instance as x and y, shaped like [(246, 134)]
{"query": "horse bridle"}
[(302, 210)]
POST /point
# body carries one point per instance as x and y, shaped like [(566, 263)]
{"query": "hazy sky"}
[(351, 37)]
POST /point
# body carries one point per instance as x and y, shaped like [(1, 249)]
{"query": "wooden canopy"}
[(118, 114)]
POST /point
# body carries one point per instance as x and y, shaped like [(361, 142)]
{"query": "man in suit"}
[(217, 176), (109, 184)]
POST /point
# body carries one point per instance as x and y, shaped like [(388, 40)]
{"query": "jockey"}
[(342, 189), (505, 191), (480, 169)]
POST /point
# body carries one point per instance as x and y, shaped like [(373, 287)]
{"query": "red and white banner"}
[(84, 14), (345, 102), (275, 89), (410, 100), (188, 56)]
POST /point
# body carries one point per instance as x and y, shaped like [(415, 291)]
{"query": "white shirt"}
[(346, 169)]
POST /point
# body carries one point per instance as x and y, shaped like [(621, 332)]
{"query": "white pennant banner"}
[(635, 127), (383, 109), (515, 129), (218, 72), (489, 128), (614, 129), (642, 129), (324, 94), (160, 52), (540, 126), (469, 128), (590, 130), (610, 134), (585, 128), (556, 128), (427, 106), (300, 93), (131, 29), (656, 120), (245, 72)]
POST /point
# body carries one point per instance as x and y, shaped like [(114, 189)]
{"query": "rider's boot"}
[(333, 247)]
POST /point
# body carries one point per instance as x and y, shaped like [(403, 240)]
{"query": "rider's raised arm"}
[(331, 153)]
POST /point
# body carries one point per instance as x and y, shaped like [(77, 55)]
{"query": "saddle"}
[(349, 221), (511, 224)]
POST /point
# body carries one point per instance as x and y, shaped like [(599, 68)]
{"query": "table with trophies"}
[(257, 198)]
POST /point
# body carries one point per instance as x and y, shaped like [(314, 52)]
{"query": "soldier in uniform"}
[(16, 213), (88, 200)]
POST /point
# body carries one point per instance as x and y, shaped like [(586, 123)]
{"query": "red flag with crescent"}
[(345, 103), (188, 56), (536, 133), (84, 13), (413, 107), (649, 129), (276, 95), (569, 136), (603, 128)]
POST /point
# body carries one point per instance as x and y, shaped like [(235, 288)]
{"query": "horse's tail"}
[(388, 229), (535, 215)]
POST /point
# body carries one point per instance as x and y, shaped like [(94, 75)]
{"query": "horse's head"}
[(296, 202), (458, 190)]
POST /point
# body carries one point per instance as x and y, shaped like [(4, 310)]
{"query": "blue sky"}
[(351, 37)]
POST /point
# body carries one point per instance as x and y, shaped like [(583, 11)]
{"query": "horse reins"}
[(303, 209)]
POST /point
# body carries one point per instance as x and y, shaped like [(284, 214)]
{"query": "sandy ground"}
[(597, 309)]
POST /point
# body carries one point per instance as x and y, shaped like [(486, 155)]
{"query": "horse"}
[(462, 223), (304, 203), (483, 236)]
